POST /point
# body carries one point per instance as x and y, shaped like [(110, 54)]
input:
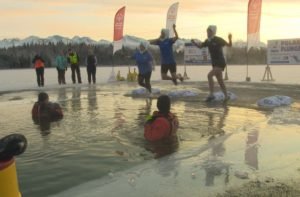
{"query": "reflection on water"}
[(62, 94), (251, 152), (102, 133), (145, 111), (92, 98), (76, 99), (214, 165), (167, 170)]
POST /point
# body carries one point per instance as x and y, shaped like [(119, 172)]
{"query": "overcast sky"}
[(144, 18)]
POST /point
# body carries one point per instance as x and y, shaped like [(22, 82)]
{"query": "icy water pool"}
[(101, 136)]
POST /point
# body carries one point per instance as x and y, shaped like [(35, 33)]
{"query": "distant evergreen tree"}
[(21, 56)]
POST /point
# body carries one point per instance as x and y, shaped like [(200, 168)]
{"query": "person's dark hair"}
[(43, 96), (164, 104)]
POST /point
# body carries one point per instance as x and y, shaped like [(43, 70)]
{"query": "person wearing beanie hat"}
[(215, 46), (144, 62), (168, 63)]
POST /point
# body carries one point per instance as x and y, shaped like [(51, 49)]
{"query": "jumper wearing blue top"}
[(143, 61), (166, 51)]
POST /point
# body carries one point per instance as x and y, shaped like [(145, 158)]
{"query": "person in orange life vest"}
[(44, 112), (39, 65), (73, 60), (162, 124)]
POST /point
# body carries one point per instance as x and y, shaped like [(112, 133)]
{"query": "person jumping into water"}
[(167, 58), (144, 61), (215, 46)]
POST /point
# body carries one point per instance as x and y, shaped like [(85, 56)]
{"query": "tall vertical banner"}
[(172, 17), (254, 16), (118, 29)]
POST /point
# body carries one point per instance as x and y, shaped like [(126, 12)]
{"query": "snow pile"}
[(219, 96), (143, 91), (275, 101), (182, 93)]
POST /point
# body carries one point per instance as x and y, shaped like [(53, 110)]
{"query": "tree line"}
[(21, 56)]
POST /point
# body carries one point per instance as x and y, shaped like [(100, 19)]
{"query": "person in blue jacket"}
[(168, 63), (144, 62)]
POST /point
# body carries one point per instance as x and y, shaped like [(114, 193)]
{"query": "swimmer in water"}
[(163, 124), (44, 112)]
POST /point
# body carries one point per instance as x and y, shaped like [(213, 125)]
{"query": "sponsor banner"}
[(195, 56), (284, 52), (118, 29), (254, 16)]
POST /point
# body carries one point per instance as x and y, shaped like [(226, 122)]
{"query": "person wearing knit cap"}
[(168, 63), (215, 46), (144, 62)]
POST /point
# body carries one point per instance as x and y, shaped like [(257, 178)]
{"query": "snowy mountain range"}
[(128, 41), (7, 43)]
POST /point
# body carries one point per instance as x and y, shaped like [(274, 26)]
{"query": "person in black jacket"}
[(91, 62), (215, 46)]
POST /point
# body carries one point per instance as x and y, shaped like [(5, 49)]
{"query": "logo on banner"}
[(284, 52), (195, 56)]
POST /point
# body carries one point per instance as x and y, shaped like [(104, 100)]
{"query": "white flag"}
[(254, 16), (117, 45), (172, 17)]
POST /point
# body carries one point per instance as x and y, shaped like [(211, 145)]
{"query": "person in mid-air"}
[(215, 46), (168, 62), (39, 65), (144, 62)]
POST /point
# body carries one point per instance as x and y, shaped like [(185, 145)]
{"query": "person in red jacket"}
[(160, 130), (162, 124), (45, 112)]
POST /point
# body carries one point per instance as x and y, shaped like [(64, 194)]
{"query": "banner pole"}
[(248, 79)]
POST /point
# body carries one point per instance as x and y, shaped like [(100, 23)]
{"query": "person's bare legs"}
[(164, 76), (219, 76), (210, 76), (174, 78)]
